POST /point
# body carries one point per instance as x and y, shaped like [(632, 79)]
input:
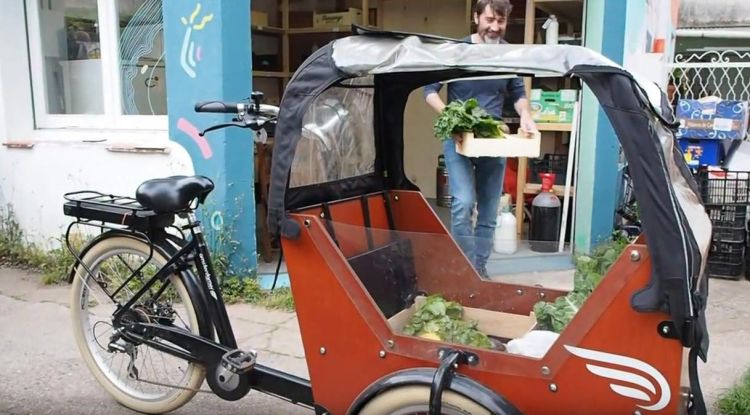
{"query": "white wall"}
[(34, 180), (648, 20)]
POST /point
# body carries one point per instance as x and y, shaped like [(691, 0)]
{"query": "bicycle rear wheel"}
[(136, 375)]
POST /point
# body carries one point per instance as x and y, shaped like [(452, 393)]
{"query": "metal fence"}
[(721, 73)]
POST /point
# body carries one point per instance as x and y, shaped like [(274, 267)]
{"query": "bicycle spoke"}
[(160, 377)]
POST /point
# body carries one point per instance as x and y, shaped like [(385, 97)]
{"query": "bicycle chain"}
[(151, 382)]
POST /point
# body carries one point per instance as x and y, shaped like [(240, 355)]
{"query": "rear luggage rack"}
[(89, 205)]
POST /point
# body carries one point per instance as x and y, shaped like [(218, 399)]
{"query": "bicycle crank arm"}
[(227, 370)]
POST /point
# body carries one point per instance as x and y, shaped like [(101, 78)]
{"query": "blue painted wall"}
[(208, 58), (598, 171)]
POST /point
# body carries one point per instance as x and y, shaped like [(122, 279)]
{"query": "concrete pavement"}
[(42, 372)]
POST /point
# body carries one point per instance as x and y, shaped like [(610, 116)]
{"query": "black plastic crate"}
[(729, 234), (725, 187), (550, 163), (735, 249), (718, 269), (726, 260), (727, 216)]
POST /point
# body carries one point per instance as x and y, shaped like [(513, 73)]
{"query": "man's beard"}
[(490, 39)]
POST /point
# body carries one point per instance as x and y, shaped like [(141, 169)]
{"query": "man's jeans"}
[(474, 180)]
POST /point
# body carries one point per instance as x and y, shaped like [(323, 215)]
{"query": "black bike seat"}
[(173, 194)]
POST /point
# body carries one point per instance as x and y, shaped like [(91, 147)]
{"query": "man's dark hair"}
[(500, 7)]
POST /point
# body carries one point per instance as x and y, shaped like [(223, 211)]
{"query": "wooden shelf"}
[(303, 30), (548, 126), (271, 74), (559, 190), (270, 30)]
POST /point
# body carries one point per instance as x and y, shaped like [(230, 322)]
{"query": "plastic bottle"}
[(545, 217), (441, 182), (552, 27), (506, 239)]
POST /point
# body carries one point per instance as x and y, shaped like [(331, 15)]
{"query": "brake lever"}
[(220, 126)]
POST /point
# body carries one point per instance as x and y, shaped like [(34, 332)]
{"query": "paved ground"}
[(42, 372)]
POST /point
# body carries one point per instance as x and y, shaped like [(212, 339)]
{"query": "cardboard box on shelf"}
[(347, 18), (258, 18), (712, 117), (553, 106)]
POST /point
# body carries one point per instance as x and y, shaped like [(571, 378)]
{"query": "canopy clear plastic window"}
[(337, 140)]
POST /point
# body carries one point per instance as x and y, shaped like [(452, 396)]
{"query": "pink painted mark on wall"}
[(188, 128)]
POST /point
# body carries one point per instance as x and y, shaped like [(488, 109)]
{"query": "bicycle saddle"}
[(173, 194)]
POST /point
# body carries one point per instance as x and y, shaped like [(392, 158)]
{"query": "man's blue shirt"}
[(490, 93)]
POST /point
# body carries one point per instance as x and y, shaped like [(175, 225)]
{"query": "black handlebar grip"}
[(218, 107)]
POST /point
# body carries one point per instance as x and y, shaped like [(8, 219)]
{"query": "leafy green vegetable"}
[(589, 272), (443, 318), (464, 116)]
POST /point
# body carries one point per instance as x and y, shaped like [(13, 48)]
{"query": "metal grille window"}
[(721, 73)]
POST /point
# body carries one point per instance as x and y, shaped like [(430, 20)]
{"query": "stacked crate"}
[(549, 163), (726, 195)]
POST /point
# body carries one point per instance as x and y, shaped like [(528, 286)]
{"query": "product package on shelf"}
[(338, 19), (712, 118), (553, 106)]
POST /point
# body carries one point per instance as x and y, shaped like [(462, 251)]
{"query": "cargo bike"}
[(364, 249)]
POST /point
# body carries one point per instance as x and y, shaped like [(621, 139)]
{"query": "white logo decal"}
[(626, 377)]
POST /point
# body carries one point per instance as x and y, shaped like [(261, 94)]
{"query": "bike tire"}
[(91, 351), (415, 399)]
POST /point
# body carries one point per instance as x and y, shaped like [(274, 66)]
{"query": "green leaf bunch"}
[(444, 318), (590, 269), (466, 116)]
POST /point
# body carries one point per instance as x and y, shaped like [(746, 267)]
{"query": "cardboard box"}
[(553, 106), (506, 326), (712, 117), (347, 18), (512, 145), (702, 152), (258, 18)]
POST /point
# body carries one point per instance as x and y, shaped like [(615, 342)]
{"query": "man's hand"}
[(434, 101), (527, 122), (524, 110)]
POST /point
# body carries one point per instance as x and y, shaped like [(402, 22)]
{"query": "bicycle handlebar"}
[(221, 107)]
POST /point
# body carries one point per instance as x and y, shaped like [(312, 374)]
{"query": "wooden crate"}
[(492, 323), (512, 145)]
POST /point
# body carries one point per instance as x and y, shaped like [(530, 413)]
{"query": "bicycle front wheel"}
[(415, 400), (136, 375)]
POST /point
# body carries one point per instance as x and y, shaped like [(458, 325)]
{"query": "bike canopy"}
[(341, 124)]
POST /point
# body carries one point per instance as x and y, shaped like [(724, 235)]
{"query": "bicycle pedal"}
[(239, 361)]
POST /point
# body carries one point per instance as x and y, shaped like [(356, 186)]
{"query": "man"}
[(480, 179)]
